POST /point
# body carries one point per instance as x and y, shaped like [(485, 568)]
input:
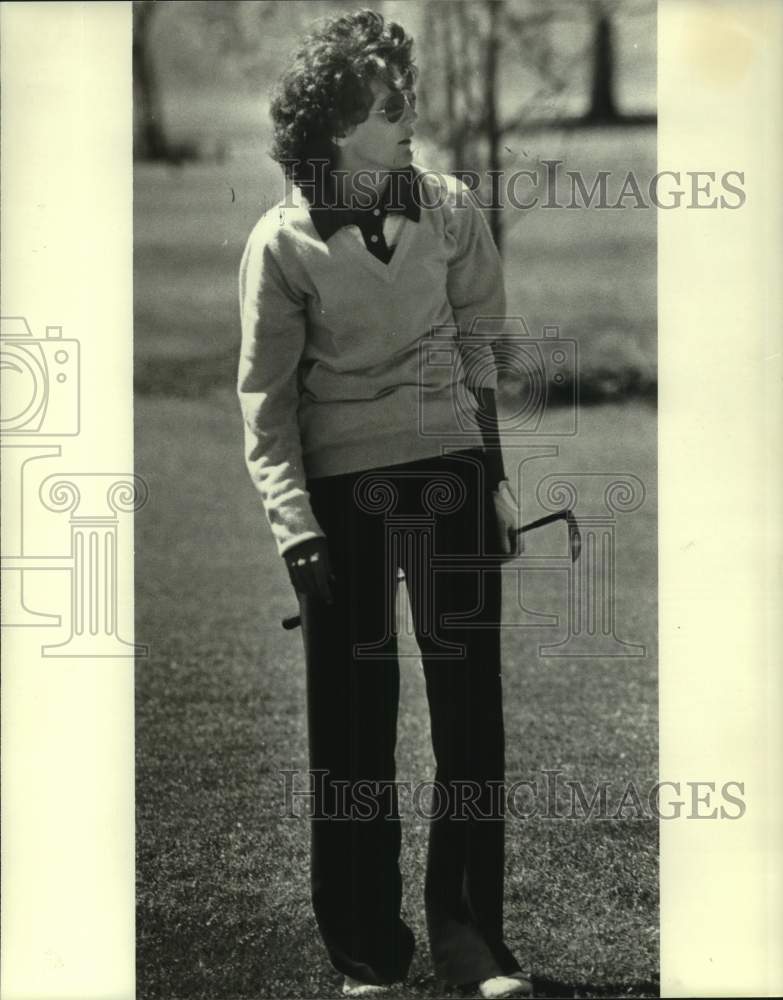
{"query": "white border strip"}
[(67, 726), (719, 94)]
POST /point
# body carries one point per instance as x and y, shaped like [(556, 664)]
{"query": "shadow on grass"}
[(243, 961), (549, 988), (185, 378), (238, 965), (554, 988), (190, 378)]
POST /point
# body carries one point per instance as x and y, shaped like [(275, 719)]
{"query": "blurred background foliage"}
[(486, 66), (504, 85)]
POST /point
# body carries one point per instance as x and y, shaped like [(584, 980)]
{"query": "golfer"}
[(374, 455)]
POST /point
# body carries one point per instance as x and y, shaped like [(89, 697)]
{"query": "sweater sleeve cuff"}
[(293, 522)]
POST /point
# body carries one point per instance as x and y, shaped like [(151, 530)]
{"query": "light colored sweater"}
[(348, 363)]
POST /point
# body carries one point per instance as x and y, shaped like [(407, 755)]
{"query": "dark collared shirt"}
[(400, 195)]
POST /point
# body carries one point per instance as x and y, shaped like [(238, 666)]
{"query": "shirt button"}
[(373, 238), (376, 211)]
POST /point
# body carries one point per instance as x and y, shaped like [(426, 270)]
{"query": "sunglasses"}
[(395, 104)]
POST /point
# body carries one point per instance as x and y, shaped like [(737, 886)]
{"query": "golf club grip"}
[(293, 621)]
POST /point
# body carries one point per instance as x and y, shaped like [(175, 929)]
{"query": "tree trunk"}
[(492, 130), (456, 131), (149, 136), (602, 102)]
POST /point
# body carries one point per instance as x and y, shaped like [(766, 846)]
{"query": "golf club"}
[(574, 545)]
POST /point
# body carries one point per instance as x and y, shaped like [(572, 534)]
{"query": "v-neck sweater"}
[(348, 363)]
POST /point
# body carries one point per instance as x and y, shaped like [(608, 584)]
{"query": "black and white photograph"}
[(395, 379), (391, 519)]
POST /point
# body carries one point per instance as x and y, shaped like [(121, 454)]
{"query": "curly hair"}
[(326, 90)]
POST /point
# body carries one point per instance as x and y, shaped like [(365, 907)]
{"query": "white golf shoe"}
[(356, 988), (516, 985)]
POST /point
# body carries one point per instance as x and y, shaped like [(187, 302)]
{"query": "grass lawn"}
[(223, 895)]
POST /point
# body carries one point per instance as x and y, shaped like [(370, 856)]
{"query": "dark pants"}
[(416, 516)]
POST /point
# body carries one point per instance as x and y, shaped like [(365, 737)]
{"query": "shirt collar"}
[(400, 196)]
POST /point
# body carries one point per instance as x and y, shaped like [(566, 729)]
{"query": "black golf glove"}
[(309, 569)]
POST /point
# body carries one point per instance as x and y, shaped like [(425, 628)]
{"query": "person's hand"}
[(309, 569), (507, 517)]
